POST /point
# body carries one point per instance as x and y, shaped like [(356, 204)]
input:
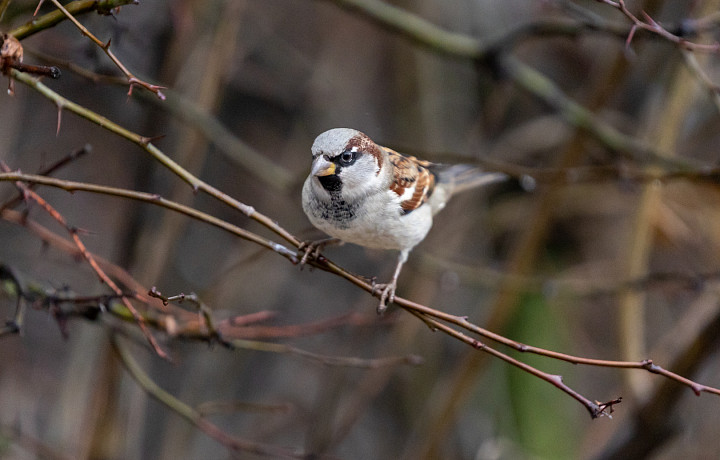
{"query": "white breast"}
[(375, 222)]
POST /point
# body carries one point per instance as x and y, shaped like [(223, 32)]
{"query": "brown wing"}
[(413, 180)]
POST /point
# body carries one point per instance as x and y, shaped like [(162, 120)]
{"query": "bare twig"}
[(91, 260), (427, 34), (344, 361), (651, 26), (75, 8), (72, 156), (429, 315), (686, 47), (52, 239), (271, 173), (132, 79), (235, 330), (191, 415), (646, 364), (155, 200), (593, 408), (145, 143)]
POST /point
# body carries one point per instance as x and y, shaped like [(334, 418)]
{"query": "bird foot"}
[(311, 249), (387, 295)]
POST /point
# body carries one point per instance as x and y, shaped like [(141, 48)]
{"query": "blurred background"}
[(608, 256)]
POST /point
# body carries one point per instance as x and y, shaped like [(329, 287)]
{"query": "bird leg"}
[(387, 291), (311, 249)]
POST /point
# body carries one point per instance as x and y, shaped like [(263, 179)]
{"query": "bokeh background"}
[(608, 256)]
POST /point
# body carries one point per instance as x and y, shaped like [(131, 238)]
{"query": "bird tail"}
[(464, 177)]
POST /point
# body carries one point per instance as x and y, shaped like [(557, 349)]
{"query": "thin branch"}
[(145, 143), (428, 315), (427, 34), (132, 79), (271, 173), (91, 307), (327, 360), (75, 8), (52, 239), (646, 364), (157, 200), (64, 161), (686, 47), (651, 26), (593, 408), (91, 260), (191, 415)]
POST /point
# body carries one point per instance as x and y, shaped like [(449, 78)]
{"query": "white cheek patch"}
[(359, 179)]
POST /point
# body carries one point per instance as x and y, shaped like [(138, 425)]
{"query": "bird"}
[(363, 193)]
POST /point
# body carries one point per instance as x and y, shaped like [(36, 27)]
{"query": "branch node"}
[(606, 408), (697, 388)]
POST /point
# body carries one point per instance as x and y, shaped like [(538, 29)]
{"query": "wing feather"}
[(411, 177)]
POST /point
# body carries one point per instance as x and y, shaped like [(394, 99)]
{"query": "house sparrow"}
[(363, 193)]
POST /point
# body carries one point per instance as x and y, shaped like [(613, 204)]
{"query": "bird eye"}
[(347, 158)]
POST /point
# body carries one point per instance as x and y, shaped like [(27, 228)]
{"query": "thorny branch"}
[(28, 193), (650, 25), (77, 7), (235, 332), (686, 47), (491, 54), (434, 318), (427, 34), (145, 143), (132, 79), (449, 43), (157, 200)]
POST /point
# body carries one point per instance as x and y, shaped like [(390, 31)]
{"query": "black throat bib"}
[(331, 183)]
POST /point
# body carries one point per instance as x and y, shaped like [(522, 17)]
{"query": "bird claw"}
[(311, 249), (387, 295)]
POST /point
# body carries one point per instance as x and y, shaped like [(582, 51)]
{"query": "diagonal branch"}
[(157, 200), (76, 8), (191, 415), (132, 79), (441, 41), (650, 25), (145, 143), (27, 192), (434, 318)]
